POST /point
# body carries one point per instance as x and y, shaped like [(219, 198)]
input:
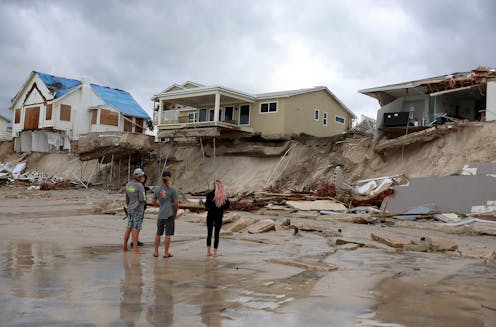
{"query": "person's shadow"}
[(131, 289), (161, 312), (212, 297)]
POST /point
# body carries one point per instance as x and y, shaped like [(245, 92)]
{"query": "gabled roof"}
[(183, 86), (245, 95), (58, 86), (121, 100), (289, 93)]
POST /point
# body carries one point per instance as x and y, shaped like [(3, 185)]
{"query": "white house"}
[(50, 112), (5, 129)]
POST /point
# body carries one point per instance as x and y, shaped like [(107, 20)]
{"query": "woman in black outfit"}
[(216, 203)]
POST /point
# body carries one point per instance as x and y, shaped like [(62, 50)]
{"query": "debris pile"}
[(13, 174)]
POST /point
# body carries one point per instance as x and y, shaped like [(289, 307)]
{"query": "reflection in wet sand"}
[(35, 267), (131, 289), (161, 312), (212, 297)]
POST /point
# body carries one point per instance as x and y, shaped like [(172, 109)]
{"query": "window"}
[(48, 112), (316, 114), (244, 114), (340, 120), (203, 115), (324, 118), (108, 117), (228, 113), (192, 117), (211, 115), (128, 125), (17, 119), (268, 107), (94, 114), (138, 128), (65, 112)]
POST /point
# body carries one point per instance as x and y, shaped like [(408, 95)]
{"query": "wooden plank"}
[(31, 118), (108, 117), (128, 126), (94, 114), (138, 128), (17, 119), (65, 112), (48, 112)]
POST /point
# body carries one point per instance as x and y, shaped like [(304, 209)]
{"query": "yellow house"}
[(192, 109)]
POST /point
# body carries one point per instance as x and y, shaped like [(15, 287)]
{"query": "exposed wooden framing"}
[(194, 132)]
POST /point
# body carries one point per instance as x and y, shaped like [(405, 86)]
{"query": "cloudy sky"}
[(253, 46)]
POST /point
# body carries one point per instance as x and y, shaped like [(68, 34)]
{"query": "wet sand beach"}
[(62, 265)]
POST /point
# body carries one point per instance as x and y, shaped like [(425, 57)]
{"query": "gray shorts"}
[(135, 219), (167, 225)]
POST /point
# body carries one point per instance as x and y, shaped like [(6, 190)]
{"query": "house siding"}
[(300, 115), (269, 124)]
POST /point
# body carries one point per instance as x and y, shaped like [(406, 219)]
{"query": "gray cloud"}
[(254, 46)]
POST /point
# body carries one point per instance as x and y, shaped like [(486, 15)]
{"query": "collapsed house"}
[(415, 106), (51, 113), (194, 110)]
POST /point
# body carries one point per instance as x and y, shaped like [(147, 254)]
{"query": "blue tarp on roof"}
[(58, 85), (120, 99)]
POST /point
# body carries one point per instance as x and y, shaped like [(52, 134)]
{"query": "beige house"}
[(192, 109)]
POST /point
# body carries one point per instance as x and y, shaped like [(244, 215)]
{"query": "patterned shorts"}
[(135, 219)]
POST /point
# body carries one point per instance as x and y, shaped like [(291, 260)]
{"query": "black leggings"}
[(211, 222)]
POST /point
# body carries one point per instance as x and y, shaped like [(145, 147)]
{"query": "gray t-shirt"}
[(135, 196), (165, 196)]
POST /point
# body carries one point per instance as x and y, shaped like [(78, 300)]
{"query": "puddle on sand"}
[(46, 284)]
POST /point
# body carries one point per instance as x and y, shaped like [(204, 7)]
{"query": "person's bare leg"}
[(156, 245), (209, 254), (135, 235), (166, 245), (126, 238), (215, 252)]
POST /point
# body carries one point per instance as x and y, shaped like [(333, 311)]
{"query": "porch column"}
[(217, 107), (159, 119), (98, 116)]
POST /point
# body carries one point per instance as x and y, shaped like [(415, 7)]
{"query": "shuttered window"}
[(17, 119), (31, 118), (65, 112), (128, 126), (94, 114), (138, 128), (108, 117), (48, 113)]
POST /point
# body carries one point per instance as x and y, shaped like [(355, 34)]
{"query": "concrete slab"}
[(448, 193)]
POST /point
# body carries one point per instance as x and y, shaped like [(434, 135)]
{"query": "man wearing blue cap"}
[(166, 197), (135, 201)]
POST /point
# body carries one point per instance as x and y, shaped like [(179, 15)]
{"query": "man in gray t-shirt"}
[(135, 201), (166, 197)]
